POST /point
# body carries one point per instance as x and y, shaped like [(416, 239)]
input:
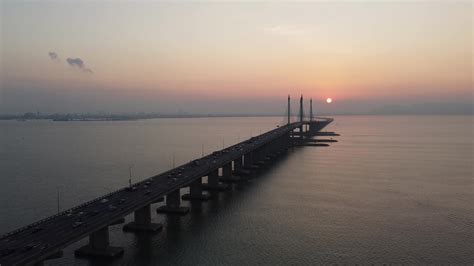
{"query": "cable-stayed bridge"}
[(46, 238)]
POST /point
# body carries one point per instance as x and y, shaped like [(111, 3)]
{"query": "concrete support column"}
[(274, 150), (258, 155), (260, 161), (195, 191), (99, 239), (227, 170), (279, 145), (196, 187), (291, 139), (273, 147), (143, 215), (264, 151), (248, 159), (239, 170), (213, 181), (283, 143), (173, 204), (286, 142), (250, 162), (143, 221), (213, 178), (173, 200), (99, 246), (227, 176), (238, 164)]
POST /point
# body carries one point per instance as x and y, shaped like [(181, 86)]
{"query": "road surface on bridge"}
[(44, 238)]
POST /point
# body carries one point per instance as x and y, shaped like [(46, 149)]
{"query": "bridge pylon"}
[(301, 108), (301, 115), (289, 110)]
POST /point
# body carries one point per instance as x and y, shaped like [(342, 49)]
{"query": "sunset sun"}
[(329, 100)]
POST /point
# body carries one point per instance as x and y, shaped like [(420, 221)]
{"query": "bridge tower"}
[(289, 110), (311, 109), (301, 108), (301, 115)]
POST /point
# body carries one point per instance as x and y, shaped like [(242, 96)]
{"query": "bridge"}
[(46, 238)]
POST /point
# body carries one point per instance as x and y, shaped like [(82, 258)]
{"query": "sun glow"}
[(329, 100)]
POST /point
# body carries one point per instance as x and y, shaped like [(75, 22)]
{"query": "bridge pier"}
[(238, 164), (259, 156), (270, 152), (288, 141), (227, 174), (173, 202), (195, 191), (248, 160), (282, 144), (99, 246), (292, 139), (239, 169), (249, 163), (275, 150), (143, 221), (213, 182)]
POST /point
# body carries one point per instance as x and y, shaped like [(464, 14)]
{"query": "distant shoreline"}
[(112, 118)]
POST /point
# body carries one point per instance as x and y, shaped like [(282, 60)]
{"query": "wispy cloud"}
[(286, 31), (54, 56), (79, 64)]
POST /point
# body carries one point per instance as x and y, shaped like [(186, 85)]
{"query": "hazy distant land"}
[(415, 109)]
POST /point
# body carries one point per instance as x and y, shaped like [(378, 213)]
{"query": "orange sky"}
[(348, 51)]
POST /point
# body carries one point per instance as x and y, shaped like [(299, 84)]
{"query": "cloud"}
[(73, 62), (79, 64), (54, 56), (285, 31)]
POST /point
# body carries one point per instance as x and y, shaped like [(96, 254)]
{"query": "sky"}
[(234, 57)]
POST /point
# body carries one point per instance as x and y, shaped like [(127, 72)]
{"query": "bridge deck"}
[(46, 237)]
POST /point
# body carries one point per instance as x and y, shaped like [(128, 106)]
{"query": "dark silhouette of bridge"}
[(45, 239)]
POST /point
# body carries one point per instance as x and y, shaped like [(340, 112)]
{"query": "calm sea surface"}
[(394, 189)]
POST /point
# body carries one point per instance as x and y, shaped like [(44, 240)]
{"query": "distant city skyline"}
[(236, 58)]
